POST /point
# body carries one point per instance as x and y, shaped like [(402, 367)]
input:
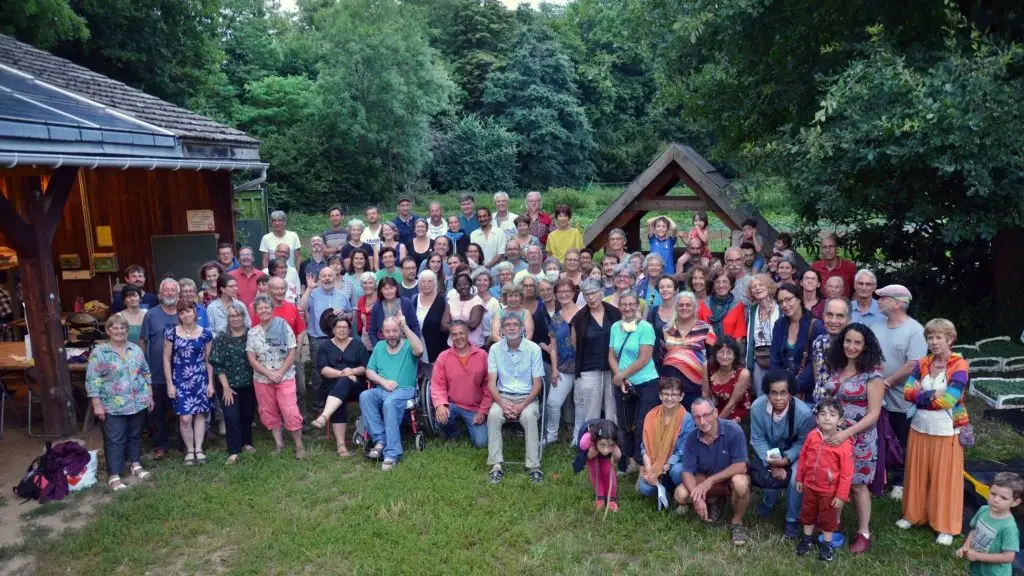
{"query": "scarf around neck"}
[(660, 438), (720, 308)]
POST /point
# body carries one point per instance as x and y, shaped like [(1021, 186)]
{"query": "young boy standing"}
[(995, 539), (824, 476), (661, 233)]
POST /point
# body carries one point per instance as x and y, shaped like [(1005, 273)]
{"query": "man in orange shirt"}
[(832, 265), (458, 387)]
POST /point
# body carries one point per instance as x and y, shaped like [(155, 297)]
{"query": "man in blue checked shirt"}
[(317, 298)]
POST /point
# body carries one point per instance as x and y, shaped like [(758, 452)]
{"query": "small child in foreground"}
[(995, 539), (824, 476), (600, 443)]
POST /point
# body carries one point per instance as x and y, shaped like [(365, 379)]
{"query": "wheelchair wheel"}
[(429, 417), (421, 442)]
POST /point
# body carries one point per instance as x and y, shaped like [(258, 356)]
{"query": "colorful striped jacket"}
[(952, 398)]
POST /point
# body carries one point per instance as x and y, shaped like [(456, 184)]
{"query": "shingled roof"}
[(66, 75)]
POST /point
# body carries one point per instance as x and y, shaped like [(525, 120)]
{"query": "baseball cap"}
[(896, 292), (403, 198)]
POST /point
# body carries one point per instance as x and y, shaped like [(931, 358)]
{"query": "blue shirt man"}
[(468, 206), (325, 296), (867, 316), (405, 220)]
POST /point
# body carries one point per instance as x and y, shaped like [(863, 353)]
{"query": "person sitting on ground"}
[(779, 424), (599, 444), (995, 539), (715, 467), (458, 385), (823, 477), (515, 374), (392, 368), (665, 429), (341, 362)]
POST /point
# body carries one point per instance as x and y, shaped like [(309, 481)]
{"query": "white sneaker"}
[(896, 493), (944, 540), (903, 524)]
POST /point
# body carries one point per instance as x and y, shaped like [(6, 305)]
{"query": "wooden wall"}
[(136, 204)]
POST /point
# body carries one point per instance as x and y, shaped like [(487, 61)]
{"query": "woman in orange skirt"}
[(933, 491)]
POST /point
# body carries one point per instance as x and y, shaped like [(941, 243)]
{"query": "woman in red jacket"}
[(823, 476), (723, 309)]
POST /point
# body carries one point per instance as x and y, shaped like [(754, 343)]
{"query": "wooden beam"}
[(42, 295), (669, 203)]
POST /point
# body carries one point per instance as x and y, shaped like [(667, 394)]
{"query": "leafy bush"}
[(473, 153), (571, 197)]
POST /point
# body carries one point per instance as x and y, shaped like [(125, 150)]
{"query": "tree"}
[(535, 97), (473, 154), (476, 42), (379, 89), (42, 23)]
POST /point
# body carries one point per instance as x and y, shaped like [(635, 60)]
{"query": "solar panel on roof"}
[(16, 108)]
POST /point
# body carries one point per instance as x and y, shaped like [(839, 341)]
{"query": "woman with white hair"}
[(430, 311), (355, 241), (528, 282), (685, 343), (646, 287), (625, 279), (512, 303), (591, 334), (364, 307), (504, 273)]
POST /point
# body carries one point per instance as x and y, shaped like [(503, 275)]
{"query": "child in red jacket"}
[(823, 477)]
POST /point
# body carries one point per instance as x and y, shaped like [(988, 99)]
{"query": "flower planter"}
[(986, 364), (999, 393)]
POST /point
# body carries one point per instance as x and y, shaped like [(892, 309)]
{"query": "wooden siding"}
[(136, 204)]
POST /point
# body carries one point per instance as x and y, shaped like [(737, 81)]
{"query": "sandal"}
[(739, 535), (200, 457), (277, 450), (139, 472), (249, 448), (374, 452), (300, 453), (343, 452), (190, 459), (116, 485), (233, 459), (320, 422)]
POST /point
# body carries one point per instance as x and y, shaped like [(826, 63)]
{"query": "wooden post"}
[(32, 237)]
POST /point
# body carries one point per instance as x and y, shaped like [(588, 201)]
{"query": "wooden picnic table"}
[(12, 358)]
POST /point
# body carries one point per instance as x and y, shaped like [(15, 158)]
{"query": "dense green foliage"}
[(896, 124)]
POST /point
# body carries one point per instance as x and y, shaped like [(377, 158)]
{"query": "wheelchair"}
[(419, 419)]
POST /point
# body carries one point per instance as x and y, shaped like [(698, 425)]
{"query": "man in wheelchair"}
[(392, 368), (515, 375), (458, 387)]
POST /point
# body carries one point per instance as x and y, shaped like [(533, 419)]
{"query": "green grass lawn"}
[(436, 514)]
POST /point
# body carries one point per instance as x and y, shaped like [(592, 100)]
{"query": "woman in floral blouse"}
[(118, 382), (234, 381), (271, 349)]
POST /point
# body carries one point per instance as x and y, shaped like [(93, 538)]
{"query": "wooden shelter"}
[(679, 163), (91, 171)]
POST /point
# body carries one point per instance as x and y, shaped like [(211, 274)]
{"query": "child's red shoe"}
[(613, 506), (599, 504)]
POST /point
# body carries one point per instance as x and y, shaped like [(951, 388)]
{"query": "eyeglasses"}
[(787, 299), (702, 417), (664, 394)]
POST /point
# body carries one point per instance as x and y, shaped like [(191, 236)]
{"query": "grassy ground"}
[(436, 514)]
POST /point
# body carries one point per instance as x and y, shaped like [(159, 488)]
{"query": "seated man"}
[(665, 429), (779, 424), (715, 467), (514, 373), (392, 367), (458, 387)]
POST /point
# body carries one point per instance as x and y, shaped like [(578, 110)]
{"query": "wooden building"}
[(678, 164), (91, 171)]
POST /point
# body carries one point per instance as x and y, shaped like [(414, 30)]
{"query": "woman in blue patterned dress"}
[(189, 378)]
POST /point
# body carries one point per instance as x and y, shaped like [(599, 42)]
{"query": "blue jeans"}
[(793, 498), (477, 432), (670, 481), (122, 440), (383, 412)]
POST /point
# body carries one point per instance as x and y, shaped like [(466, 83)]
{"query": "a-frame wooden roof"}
[(679, 163)]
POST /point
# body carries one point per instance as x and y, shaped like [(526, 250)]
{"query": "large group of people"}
[(667, 361)]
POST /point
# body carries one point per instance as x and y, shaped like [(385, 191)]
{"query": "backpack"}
[(31, 485)]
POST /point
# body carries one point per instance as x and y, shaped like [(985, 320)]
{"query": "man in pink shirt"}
[(247, 276), (458, 387), (832, 265)]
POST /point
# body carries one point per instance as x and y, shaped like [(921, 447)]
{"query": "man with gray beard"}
[(154, 325)]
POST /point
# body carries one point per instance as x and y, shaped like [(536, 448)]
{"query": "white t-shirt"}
[(933, 422), (492, 244), (435, 232), (508, 225), (270, 243), (371, 238)]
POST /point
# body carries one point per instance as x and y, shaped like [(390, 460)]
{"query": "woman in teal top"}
[(634, 377), (132, 313)]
